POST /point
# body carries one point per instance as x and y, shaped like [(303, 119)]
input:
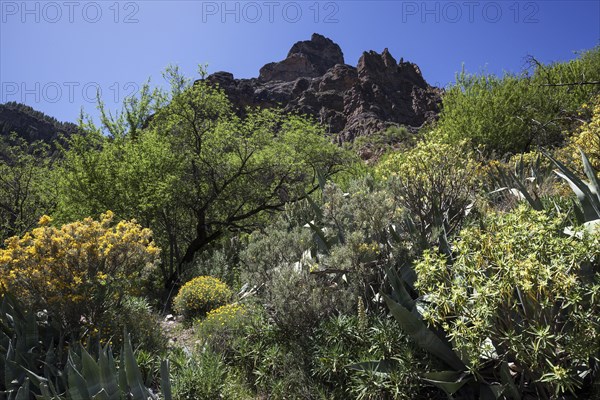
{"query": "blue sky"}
[(55, 54)]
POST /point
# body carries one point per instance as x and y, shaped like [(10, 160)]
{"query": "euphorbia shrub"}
[(521, 291)]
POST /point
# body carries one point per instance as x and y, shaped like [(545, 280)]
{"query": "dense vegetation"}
[(458, 265)]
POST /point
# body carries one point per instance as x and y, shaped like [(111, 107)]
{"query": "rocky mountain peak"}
[(309, 58), (350, 101)]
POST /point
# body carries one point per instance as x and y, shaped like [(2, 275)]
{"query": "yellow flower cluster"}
[(225, 314), (588, 138), (201, 295), (368, 248), (80, 269), (220, 325)]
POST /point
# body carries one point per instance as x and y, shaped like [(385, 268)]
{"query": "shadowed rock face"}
[(33, 125), (350, 101), (310, 58)]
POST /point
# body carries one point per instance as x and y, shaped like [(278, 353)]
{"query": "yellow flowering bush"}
[(80, 270), (201, 295), (222, 318), (221, 325), (587, 138)]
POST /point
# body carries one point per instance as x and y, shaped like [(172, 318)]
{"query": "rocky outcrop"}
[(32, 126), (349, 101), (310, 58)]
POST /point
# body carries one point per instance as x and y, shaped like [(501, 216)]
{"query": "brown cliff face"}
[(349, 101)]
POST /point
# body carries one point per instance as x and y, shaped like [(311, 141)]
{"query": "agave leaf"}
[(579, 215), (134, 376), (423, 336), (27, 339), (122, 375), (108, 373), (449, 381), (536, 203), (592, 226), (10, 367), (399, 292), (49, 391), (410, 225), (394, 233), (408, 275), (538, 164), (165, 382), (321, 179), (46, 392), (35, 378), (101, 395), (510, 389), (320, 236), (77, 385), (444, 244), (591, 174), (520, 166), (490, 391), (590, 210), (51, 361), (316, 208), (589, 202), (23, 392), (91, 373)]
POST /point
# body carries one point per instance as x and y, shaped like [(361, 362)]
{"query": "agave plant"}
[(31, 364), (588, 193), (26, 344), (99, 379), (587, 212), (522, 182), (458, 379)]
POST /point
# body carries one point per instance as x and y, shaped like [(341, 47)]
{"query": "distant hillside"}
[(32, 125)]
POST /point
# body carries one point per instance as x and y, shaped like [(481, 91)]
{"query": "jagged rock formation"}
[(350, 101)]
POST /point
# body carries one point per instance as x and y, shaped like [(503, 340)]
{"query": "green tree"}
[(194, 170), (25, 194)]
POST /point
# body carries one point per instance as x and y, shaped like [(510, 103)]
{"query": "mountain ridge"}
[(350, 101)]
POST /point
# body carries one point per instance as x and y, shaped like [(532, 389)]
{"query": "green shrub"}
[(520, 291), (587, 138), (221, 262), (374, 145), (278, 262), (344, 348), (201, 295), (200, 376), (275, 365), (309, 270), (137, 317), (514, 113), (434, 182), (221, 325)]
